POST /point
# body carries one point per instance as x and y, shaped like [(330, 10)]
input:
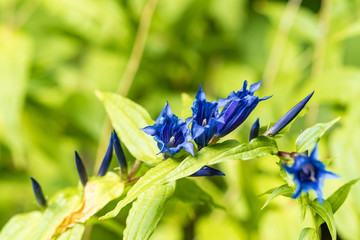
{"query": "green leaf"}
[(188, 191), (308, 234), (15, 61), (339, 196), (171, 170), (98, 192), (21, 226), (225, 151), (325, 212), (147, 211), (310, 136), (128, 118), (63, 204), (284, 190), (150, 178), (303, 202), (74, 233), (65, 209)]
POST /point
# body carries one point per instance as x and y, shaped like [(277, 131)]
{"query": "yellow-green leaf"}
[(151, 177), (128, 118), (309, 137), (147, 211)]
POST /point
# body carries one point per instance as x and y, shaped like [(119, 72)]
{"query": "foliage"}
[(55, 54)]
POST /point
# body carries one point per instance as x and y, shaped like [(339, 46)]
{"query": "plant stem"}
[(312, 213), (281, 38), (134, 169), (130, 71)]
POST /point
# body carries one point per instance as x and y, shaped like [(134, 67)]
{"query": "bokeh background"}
[(55, 54)]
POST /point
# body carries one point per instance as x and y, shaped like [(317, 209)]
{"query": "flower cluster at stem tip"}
[(207, 124)]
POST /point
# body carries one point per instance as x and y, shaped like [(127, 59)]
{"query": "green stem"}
[(312, 213), (130, 71), (281, 38)]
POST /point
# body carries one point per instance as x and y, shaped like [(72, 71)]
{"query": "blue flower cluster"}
[(309, 173), (209, 122)]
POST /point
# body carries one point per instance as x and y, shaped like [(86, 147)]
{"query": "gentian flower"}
[(207, 171), (254, 132), (120, 156), (107, 158), (171, 133), (40, 198), (309, 173), (204, 121), (81, 169), (288, 117), (237, 107)]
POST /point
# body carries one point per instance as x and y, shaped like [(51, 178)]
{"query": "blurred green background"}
[(55, 54)]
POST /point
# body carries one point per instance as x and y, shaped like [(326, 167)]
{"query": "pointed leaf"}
[(310, 136), (339, 196), (62, 205), (283, 190), (228, 150), (308, 234), (325, 212), (147, 211), (150, 178), (128, 118), (98, 192), (188, 190)]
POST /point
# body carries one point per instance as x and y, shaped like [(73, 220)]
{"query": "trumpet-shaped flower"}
[(309, 173), (288, 117), (204, 121), (237, 107), (171, 133)]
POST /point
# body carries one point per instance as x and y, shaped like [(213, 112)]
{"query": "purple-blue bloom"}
[(288, 117), (309, 173), (237, 107), (207, 171), (81, 169), (40, 198), (254, 132), (204, 121), (120, 156), (171, 133), (107, 158)]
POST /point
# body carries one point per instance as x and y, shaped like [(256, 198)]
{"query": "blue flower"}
[(254, 132), (107, 158), (81, 169), (237, 107), (309, 173), (207, 171), (120, 156), (40, 198), (171, 133), (288, 117), (204, 121)]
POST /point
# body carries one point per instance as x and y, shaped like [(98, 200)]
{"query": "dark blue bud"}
[(107, 158), (120, 156), (254, 132), (207, 171), (81, 169), (40, 198), (288, 117)]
